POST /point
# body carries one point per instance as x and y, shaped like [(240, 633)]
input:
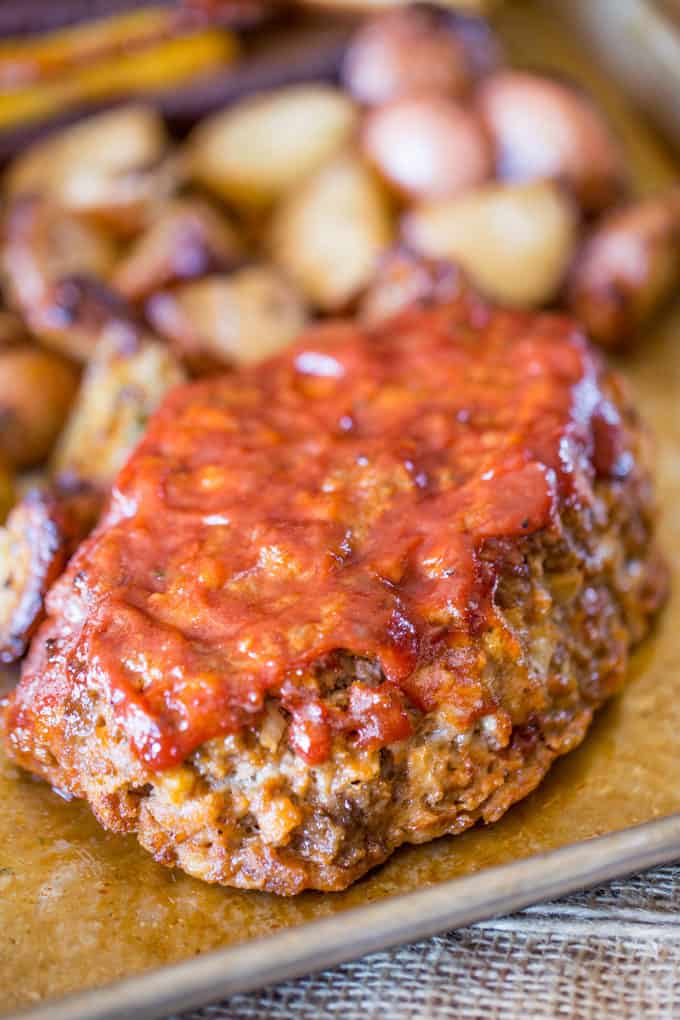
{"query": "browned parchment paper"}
[(79, 907)]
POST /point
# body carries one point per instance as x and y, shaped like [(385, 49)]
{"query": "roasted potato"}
[(627, 268), (329, 233), (41, 533), (404, 279), (403, 53), (427, 147), (45, 245), (543, 128), (515, 241), (188, 238), (123, 384), (254, 152), (229, 320), (110, 168), (76, 310), (37, 389), (482, 47)]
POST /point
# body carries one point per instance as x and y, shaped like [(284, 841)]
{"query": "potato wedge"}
[(254, 152), (515, 241), (41, 533), (542, 128), (124, 382), (76, 310), (403, 53), (626, 269), (188, 238), (110, 168), (37, 389), (229, 320), (45, 245), (427, 147), (405, 279), (328, 234)]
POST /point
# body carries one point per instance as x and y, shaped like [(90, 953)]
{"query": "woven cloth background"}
[(613, 952)]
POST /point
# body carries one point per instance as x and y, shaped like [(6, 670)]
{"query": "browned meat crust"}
[(41, 532), (245, 810)]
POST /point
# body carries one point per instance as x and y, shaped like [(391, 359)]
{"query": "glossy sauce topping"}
[(335, 499)]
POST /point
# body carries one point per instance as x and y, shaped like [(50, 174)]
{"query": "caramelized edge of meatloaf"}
[(244, 810)]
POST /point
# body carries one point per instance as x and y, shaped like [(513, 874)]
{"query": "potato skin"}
[(188, 238), (405, 279), (37, 389), (427, 147), (483, 48), (402, 53), (44, 243), (44, 247), (75, 312), (626, 269), (542, 128), (515, 241)]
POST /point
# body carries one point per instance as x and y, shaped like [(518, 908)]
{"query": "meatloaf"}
[(360, 595)]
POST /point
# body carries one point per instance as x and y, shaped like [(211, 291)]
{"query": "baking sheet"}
[(80, 907)]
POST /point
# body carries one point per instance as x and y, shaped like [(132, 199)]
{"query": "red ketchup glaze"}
[(334, 498)]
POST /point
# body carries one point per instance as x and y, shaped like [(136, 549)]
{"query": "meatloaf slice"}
[(361, 595)]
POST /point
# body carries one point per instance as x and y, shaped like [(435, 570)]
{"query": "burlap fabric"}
[(613, 952)]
